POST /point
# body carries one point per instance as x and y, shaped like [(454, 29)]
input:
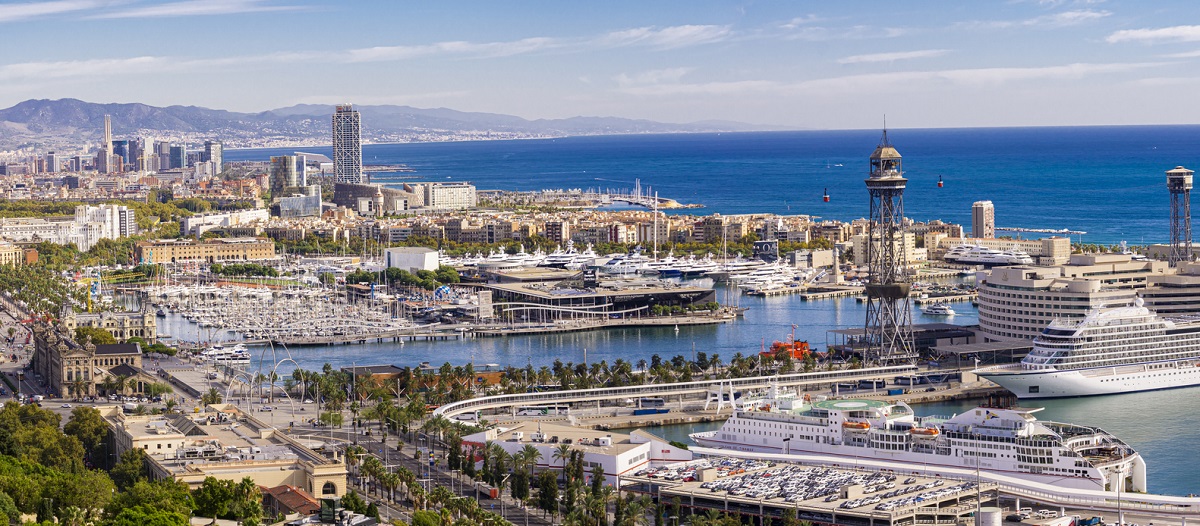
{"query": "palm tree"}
[(530, 455), (562, 453)]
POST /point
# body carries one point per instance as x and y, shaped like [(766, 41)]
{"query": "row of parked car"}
[(928, 495), (795, 483)]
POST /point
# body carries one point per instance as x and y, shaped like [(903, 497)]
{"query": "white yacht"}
[(1121, 350), (981, 255), (956, 252), (937, 309), (1009, 441)]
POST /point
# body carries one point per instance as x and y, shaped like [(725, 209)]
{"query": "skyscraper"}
[(104, 162), (214, 151), (287, 174), (983, 220), (347, 145)]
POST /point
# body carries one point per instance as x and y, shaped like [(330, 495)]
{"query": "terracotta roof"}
[(293, 498)]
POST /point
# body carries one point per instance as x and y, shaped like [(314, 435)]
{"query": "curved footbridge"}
[(717, 391), (1140, 504)]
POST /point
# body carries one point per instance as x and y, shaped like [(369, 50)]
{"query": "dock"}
[(944, 298), (564, 326), (822, 293)]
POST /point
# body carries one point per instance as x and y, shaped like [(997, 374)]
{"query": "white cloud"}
[(821, 33), (801, 21), (892, 57), (1162, 34), (1185, 54), (198, 8), (82, 68), (667, 37), (486, 49), (656, 76), (23, 11), (888, 81), (1063, 19)]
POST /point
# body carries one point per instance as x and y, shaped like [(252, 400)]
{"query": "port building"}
[(1016, 303), (223, 442), (619, 455), (1045, 251), (211, 251)]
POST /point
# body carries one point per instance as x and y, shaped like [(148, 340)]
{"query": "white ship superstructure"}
[(1007, 441), (1121, 350)]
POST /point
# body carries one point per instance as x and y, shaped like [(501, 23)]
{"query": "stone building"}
[(72, 369), (122, 325)]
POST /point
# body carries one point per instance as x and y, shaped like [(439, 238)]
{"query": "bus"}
[(871, 384), (651, 403), (907, 380), (542, 410)]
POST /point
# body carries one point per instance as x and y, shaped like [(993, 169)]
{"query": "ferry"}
[(937, 309), (1011, 441), (1122, 350)]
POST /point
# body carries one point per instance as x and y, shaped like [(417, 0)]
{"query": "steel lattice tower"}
[(889, 337), (1179, 183)]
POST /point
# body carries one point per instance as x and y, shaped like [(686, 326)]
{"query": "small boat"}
[(924, 432), (856, 426), (161, 313), (937, 309)]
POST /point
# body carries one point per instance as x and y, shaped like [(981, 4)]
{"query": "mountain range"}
[(46, 123)]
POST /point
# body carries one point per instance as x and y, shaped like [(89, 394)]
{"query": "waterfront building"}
[(347, 146), (449, 196), (387, 200), (1016, 303), (1176, 294), (211, 251), (122, 325), (411, 259), (1046, 251), (78, 369), (983, 220), (225, 443), (619, 455), (905, 243)]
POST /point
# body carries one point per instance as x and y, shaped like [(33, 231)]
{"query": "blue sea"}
[(1107, 181)]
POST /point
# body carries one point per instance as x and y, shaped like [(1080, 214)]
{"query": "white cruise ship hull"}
[(905, 461), (1093, 382)]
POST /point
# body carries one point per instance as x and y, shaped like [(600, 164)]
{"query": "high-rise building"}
[(121, 149), (888, 334), (104, 159), (347, 145), (53, 162), (214, 151), (287, 174), (177, 157), (983, 220)]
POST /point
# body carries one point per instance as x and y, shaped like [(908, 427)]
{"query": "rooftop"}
[(586, 440)]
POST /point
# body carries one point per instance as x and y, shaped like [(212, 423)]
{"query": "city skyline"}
[(933, 64)]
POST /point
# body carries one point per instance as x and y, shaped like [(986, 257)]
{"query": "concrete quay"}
[(596, 323)]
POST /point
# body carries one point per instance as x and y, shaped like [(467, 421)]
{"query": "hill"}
[(42, 123)]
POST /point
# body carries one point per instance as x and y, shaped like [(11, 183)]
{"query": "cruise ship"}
[(981, 255), (1122, 350), (1009, 441)]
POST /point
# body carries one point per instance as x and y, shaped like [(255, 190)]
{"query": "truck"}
[(129, 408), (895, 392)]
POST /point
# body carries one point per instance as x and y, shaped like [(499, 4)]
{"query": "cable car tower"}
[(1179, 183), (888, 334)]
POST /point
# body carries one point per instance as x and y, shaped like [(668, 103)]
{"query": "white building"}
[(89, 225), (199, 224), (411, 259), (619, 455), (450, 196), (983, 220)]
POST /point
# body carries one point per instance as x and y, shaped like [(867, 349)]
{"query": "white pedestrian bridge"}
[(681, 389)]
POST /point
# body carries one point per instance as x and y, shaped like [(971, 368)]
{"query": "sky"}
[(790, 64)]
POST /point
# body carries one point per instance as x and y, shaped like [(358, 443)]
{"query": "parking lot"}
[(813, 492)]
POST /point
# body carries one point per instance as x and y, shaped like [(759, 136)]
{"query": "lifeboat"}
[(924, 432), (856, 426)]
